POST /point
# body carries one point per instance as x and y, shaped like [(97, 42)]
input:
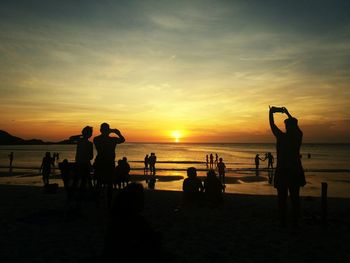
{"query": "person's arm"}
[(120, 138), (75, 138), (287, 112), (275, 130)]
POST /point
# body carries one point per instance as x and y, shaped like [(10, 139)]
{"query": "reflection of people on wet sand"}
[(105, 159), (289, 174), (152, 163), (11, 161), (192, 186), (45, 169)]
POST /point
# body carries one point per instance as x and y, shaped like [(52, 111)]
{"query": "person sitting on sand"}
[(213, 188), (289, 174), (130, 237), (45, 169), (192, 186)]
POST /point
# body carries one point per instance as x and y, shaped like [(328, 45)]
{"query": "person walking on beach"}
[(289, 176), (45, 168), (221, 169), (152, 163), (104, 164), (11, 161), (207, 160), (216, 159), (84, 155), (192, 186)]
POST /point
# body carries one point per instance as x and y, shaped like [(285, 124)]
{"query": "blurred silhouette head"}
[(104, 129), (211, 173), (291, 124), (87, 132), (220, 159), (191, 172), (125, 159), (48, 154)]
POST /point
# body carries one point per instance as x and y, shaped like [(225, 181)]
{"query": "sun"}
[(176, 135)]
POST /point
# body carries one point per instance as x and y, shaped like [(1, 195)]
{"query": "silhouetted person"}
[(211, 164), (270, 160), (125, 170), (105, 159), (84, 155), (130, 237), (221, 169), (207, 160), (152, 163), (11, 156), (192, 187), (45, 169), (289, 174), (68, 176), (216, 159), (65, 169), (257, 163), (117, 180), (309, 156), (213, 188), (146, 162)]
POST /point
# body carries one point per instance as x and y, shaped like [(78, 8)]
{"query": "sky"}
[(187, 71)]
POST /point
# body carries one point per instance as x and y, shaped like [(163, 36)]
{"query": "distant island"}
[(8, 139)]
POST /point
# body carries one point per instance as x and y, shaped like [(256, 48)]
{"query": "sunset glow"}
[(210, 68), (176, 135)]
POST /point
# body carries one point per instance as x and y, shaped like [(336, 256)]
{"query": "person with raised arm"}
[(104, 164), (289, 176)]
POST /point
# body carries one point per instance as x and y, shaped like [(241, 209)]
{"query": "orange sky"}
[(207, 70)]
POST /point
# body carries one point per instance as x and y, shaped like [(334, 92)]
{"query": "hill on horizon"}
[(8, 139)]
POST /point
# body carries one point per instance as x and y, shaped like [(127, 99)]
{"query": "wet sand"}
[(38, 227)]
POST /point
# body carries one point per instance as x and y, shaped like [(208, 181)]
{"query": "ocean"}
[(327, 162)]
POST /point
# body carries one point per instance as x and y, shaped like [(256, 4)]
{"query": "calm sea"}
[(328, 162)]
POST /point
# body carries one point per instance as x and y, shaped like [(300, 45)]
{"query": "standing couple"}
[(104, 164)]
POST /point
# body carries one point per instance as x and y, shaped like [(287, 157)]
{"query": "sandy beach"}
[(39, 227)]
